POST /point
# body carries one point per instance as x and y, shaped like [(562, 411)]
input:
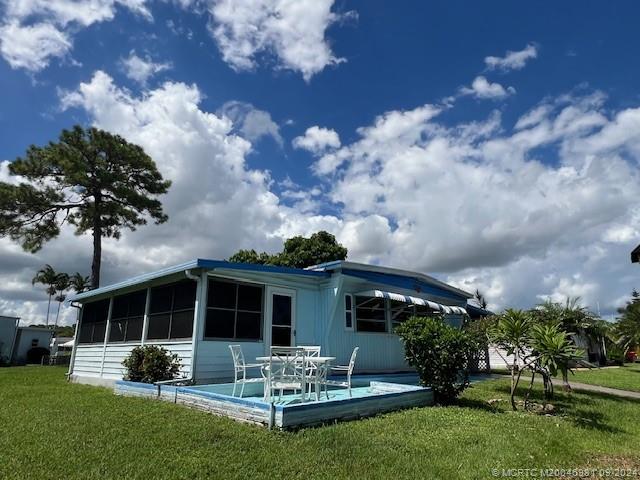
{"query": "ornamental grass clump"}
[(440, 353)]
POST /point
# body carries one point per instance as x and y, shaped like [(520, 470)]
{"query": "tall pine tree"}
[(91, 179)]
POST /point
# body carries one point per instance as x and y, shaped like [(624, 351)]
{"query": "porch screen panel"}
[(234, 311), (127, 316), (93, 322), (171, 311)]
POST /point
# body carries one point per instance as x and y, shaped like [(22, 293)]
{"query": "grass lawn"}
[(625, 378), (50, 429)]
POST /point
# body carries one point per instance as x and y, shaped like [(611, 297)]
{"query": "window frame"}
[(237, 284), (349, 311), (149, 315), (127, 317), (105, 322), (385, 308), (390, 325)]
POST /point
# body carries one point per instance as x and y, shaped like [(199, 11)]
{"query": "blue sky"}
[(426, 153)]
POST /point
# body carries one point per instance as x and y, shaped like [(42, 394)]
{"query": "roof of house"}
[(36, 329), (380, 273), (392, 276), (195, 264), (475, 311)]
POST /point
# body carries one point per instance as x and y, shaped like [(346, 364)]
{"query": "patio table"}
[(321, 362)]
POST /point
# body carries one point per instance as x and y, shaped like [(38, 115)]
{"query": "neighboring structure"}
[(635, 255), (199, 308), (61, 345), (8, 331), (31, 338)]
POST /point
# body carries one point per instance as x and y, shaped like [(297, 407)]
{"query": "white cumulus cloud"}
[(32, 46), (483, 89), (141, 69), (512, 60), (292, 31), (32, 32), (317, 140), (250, 122)]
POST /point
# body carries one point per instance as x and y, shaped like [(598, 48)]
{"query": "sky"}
[(494, 145)]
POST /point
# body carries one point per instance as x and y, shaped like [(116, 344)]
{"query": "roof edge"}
[(196, 264), (391, 271)]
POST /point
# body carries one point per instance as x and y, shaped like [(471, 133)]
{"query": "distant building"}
[(30, 338), (8, 332), (17, 343)]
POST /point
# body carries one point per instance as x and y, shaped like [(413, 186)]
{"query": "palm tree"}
[(47, 276), (555, 351), (480, 300), (511, 332), (627, 328), (62, 284), (78, 283)]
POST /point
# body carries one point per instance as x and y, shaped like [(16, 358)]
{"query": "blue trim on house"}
[(401, 281), (261, 268), (477, 311)]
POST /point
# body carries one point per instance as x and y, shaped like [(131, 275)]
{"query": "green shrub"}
[(150, 364), (439, 353)]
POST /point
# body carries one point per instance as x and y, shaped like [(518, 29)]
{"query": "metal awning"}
[(438, 307)]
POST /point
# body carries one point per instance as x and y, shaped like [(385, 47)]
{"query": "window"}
[(127, 316), (171, 310), (234, 311), (93, 323), (34, 342), (371, 314), (348, 312), (400, 312)]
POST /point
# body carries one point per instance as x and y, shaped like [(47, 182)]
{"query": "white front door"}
[(281, 317)]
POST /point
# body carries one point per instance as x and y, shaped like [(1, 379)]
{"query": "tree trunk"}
[(526, 397), (48, 309), (565, 381), (57, 314), (97, 244)]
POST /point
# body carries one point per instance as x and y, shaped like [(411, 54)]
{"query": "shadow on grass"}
[(581, 409)]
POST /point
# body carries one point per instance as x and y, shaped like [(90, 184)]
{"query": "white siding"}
[(499, 359), (89, 358), (214, 362)]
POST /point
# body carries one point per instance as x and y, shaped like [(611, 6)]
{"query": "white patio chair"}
[(286, 371), (314, 371), (348, 369), (240, 369)]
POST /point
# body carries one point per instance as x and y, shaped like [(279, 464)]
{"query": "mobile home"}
[(199, 308)]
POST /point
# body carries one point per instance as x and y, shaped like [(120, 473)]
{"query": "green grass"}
[(50, 429), (625, 378)]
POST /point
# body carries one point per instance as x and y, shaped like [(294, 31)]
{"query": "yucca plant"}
[(512, 332), (554, 351)]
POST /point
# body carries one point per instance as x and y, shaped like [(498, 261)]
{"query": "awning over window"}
[(450, 310)]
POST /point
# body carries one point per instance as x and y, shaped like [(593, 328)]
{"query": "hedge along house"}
[(199, 308)]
